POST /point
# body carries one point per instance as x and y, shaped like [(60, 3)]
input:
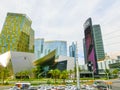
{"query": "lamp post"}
[(107, 73), (93, 75), (77, 68)]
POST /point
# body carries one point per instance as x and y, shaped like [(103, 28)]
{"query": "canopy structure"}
[(48, 59)]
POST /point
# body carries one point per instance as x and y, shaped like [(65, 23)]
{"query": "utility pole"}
[(77, 68)]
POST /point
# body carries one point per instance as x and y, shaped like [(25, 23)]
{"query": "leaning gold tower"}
[(17, 34)]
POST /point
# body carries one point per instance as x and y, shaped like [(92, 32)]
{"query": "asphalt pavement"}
[(115, 85)]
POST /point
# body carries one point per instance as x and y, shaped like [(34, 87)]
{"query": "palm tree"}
[(23, 74), (55, 74), (19, 74), (70, 73), (26, 74), (107, 72), (36, 71), (4, 74), (115, 72), (64, 75), (51, 72)]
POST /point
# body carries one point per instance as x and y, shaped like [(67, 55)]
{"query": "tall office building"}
[(93, 45), (72, 49), (90, 47), (60, 46), (17, 34), (39, 47), (99, 49)]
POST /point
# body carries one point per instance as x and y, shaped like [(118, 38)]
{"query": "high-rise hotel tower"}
[(17, 34), (93, 45)]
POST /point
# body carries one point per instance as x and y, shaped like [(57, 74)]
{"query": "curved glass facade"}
[(60, 46), (43, 48), (39, 43)]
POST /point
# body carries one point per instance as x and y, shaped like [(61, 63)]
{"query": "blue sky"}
[(64, 19)]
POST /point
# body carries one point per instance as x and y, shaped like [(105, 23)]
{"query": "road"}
[(115, 85), (4, 87)]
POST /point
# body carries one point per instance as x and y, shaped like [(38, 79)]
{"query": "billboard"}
[(90, 48)]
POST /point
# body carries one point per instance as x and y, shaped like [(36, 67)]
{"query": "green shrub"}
[(48, 82)]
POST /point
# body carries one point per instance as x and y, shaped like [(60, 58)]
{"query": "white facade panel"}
[(70, 61), (22, 61)]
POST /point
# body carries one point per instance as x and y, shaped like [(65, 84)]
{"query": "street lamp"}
[(77, 68)]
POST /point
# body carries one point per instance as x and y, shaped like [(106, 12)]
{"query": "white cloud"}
[(110, 23), (64, 19)]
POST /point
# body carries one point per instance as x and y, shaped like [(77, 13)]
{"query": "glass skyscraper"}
[(39, 46), (99, 49), (72, 49), (60, 46), (17, 34), (42, 47)]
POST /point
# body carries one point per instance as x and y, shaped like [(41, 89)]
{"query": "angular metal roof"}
[(49, 59)]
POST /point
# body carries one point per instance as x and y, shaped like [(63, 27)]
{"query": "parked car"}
[(102, 85), (22, 85)]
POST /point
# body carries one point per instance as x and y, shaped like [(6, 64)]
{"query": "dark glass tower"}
[(99, 49), (72, 50)]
